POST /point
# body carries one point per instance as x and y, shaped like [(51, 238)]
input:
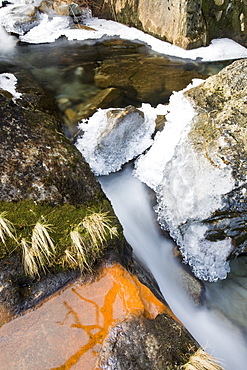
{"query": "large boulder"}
[(37, 162), (113, 321), (197, 167), (188, 24), (219, 132), (141, 343), (45, 185)]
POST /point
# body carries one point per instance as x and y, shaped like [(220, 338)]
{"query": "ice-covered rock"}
[(197, 166), (112, 137)]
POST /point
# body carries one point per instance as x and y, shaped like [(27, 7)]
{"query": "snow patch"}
[(8, 83)]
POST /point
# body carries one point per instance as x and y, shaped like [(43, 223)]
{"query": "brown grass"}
[(202, 361), (6, 228), (29, 263)]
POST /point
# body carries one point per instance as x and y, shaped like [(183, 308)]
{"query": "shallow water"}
[(67, 69)]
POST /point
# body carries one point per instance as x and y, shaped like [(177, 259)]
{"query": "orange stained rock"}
[(66, 331)]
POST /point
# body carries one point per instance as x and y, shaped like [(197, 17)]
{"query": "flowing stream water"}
[(131, 203), (61, 73)]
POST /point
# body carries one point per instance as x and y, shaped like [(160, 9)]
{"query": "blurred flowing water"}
[(217, 333)]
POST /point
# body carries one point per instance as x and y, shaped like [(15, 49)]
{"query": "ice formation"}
[(188, 189), (106, 151), (50, 27)]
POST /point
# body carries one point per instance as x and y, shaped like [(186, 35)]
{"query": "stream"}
[(68, 73), (212, 330)]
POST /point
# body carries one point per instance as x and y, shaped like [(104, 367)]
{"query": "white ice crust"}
[(188, 189), (8, 83), (122, 144), (50, 28)]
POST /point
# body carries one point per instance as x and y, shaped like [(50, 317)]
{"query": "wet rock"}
[(192, 286), (229, 298), (141, 343), (144, 79), (146, 335), (106, 98)]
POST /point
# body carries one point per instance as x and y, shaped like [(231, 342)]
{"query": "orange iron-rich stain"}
[(67, 331)]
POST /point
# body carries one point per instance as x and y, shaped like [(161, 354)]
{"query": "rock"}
[(137, 328), (228, 297), (201, 186), (44, 180), (226, 18), (74, 10), (144, 79), (20, 19), (179, 22), (106, 98), (141, 343), (186, 24), (220, 132), (120, 135), (43, 166)]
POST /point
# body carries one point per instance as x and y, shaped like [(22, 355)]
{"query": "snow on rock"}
[(112, 137)]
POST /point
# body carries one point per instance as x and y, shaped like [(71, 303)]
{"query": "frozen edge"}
[(51, 29)]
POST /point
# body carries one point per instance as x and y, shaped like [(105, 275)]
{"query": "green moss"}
[(62, 219), (228, 25)]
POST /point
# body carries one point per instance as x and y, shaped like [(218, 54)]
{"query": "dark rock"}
[(37, 162), (141, 343)]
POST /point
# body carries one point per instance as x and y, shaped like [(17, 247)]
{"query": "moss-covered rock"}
[(38, 162), (45, 186)]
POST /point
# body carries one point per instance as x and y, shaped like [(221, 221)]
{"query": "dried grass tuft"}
[(42, 244), (6, 228), (29, 262), (98, 225), (78, 249), (202, 361), (86, 238)]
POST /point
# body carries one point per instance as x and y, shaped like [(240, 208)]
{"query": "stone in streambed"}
[(145, 79), (111, 97)]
